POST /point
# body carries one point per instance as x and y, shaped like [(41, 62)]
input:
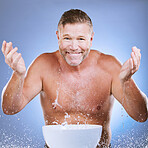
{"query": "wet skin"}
[(72, 97), (76, 84), (85, 96)]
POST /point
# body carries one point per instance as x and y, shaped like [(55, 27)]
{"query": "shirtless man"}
[(76, 84)]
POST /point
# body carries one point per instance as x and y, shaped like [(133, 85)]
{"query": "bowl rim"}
[(88, 126)]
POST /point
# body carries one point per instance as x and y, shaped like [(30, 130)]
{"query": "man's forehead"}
[(82, 28)]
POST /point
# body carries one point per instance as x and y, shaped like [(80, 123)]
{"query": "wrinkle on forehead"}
[(81, 29)]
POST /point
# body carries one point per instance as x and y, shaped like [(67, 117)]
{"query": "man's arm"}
[(125, 90), (20, 89), (105, 136)]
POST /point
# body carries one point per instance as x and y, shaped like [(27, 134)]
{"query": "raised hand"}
[(13, 58), (131, 65)]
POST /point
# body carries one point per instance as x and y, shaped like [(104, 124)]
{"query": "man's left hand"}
[(131, 65)]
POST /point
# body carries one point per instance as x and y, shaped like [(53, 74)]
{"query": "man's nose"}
[(74, 45)]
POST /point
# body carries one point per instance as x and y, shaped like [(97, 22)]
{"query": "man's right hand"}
[(13, 58)]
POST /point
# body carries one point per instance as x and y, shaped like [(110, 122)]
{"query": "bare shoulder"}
[(45, 59), (107, 62), (43, 64)]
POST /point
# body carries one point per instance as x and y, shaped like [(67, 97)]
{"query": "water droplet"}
[(64, 123), (67, 115), (54, 122)]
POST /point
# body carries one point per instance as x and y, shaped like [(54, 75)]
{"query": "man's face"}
[(74, 42)]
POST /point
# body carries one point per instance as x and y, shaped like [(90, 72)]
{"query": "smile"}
[(73, 52)]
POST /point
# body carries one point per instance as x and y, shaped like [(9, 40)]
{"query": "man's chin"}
[(74, 63)]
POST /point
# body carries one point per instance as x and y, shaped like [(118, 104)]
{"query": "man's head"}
[(75, 35), (74, 16)]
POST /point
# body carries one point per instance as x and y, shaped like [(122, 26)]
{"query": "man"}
[(76, 84)]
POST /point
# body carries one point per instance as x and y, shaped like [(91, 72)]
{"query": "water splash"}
[(131, 139), (54, 122), (65, 119), (10, 137), (55, 104)]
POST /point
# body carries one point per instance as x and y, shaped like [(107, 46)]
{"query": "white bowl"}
[(72, 136)]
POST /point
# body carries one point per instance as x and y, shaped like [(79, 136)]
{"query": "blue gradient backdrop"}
[(31, 25)]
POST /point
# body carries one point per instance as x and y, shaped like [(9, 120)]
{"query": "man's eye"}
[(81, 39), (66, 38)]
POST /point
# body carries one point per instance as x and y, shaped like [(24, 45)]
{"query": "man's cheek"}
[(63, 45)]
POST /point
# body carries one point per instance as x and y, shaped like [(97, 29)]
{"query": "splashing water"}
[(11, 137), (65, 119), (56, 101), (54, 122), (57, 92), (134, 138)]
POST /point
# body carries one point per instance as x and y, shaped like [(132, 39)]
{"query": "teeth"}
[(74, 53)]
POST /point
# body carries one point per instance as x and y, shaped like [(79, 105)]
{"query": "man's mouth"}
[(73, 52)]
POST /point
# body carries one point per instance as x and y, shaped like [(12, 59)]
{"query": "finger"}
[(15, 61), (135, 63), (10, 55), (133, 69), (133, 48), (138, 55), (131, 63), (8, 48), (134, 60), (4, 46)]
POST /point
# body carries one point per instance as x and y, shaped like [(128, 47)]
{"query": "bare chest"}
[(87, 94)]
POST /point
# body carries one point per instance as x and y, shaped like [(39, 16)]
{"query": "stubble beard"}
[(64, 55)]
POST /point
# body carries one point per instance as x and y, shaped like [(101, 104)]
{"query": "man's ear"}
[(91, 39), (92, 36), (57, 33)]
